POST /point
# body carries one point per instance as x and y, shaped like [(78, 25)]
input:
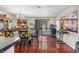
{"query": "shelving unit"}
[(4, 21)]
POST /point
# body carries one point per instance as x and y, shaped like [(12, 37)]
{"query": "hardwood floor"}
[(46, 44)]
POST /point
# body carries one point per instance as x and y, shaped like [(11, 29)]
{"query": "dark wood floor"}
[(46, 44)]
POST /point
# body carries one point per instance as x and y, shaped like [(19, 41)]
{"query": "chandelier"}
[(20, 15)]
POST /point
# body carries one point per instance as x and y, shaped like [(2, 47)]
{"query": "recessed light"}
[(39, 7)]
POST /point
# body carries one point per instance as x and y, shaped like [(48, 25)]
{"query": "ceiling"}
[(35, 10)]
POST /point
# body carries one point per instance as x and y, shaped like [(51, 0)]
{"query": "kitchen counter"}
[(7, 42)]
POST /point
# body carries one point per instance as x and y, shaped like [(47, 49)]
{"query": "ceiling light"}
[(20, 15), (39, 7)]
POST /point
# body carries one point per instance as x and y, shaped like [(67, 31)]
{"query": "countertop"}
[(6, 42)]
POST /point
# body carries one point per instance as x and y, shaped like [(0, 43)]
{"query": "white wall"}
[(32, 20), (14, 22), (51, 21), (72, 37)]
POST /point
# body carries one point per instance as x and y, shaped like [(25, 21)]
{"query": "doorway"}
[(40, 25)]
